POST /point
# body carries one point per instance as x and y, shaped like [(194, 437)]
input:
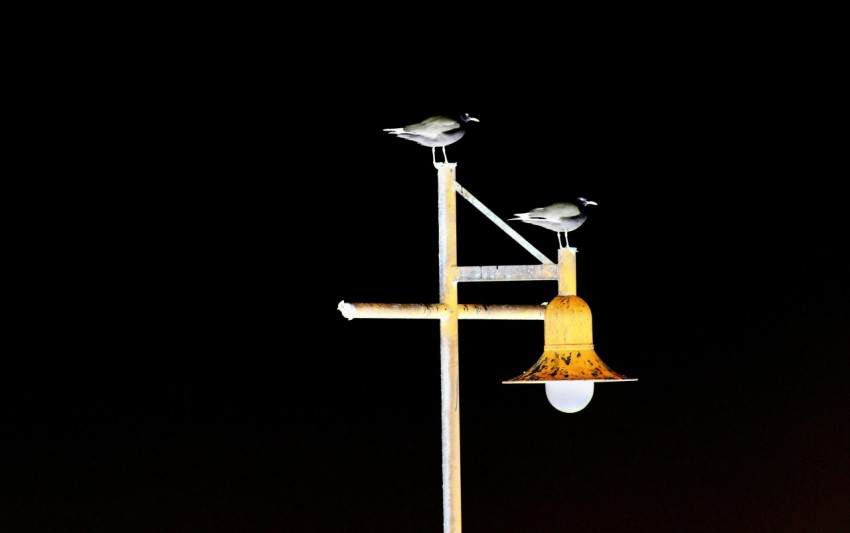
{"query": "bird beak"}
[(473, 119), (591, 202)]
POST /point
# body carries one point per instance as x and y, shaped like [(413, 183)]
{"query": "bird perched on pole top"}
[(435, 132), (561, 217)]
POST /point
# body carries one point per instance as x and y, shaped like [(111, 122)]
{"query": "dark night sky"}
[(197, 375)]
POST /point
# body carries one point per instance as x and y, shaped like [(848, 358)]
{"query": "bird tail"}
[(394, 130), (520, 216)]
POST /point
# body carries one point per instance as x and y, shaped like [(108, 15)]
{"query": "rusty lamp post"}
[(569, 366)]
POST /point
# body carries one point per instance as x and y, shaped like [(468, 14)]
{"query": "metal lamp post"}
[(568, 355)]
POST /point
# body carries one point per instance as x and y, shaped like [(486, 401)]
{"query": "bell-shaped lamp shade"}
[(569, 365)]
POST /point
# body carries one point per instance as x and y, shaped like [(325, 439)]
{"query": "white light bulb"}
[(569, 396)]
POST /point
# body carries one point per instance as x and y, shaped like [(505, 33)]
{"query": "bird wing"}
[(555, 211), (433, 126)]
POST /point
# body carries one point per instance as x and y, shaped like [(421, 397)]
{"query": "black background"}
[(183, 366)]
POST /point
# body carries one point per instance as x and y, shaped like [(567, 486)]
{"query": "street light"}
[(569, 365)]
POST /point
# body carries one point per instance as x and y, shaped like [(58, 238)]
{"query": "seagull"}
[(436, 132), (562, 217)]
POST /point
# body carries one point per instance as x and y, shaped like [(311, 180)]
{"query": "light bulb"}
[(569, 396)]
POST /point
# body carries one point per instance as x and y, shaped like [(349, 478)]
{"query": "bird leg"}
[(434, 158), (445, 157), (566, 240)]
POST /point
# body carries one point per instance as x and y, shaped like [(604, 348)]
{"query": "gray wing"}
[(433, 126), (555, 211)]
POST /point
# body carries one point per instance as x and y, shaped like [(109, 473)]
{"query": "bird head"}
[(466, 117), (585, 202)]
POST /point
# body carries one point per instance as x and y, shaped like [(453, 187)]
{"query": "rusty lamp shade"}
[(569, 365)]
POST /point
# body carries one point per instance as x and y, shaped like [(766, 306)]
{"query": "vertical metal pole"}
[(446, 212), (567, 272)]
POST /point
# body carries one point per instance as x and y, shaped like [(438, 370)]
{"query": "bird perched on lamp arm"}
[(435, 132), (562, 217)]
